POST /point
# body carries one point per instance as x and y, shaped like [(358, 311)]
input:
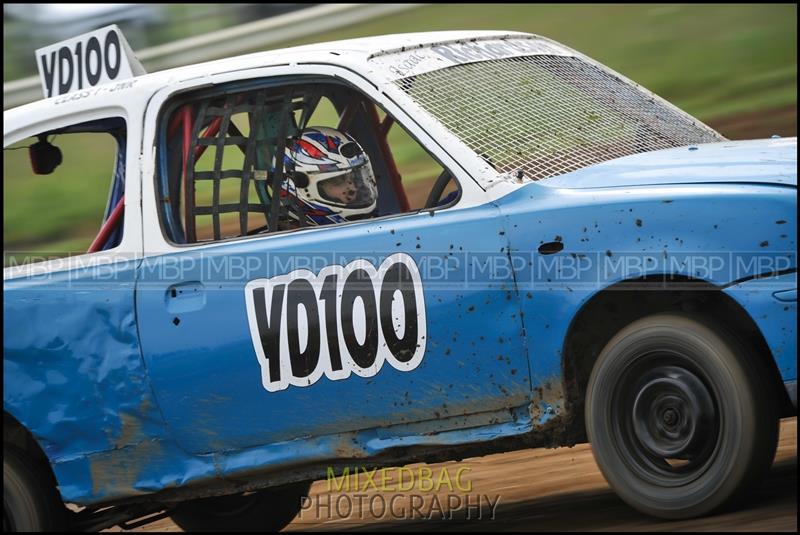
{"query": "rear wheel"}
[(264, 510), (30, 499), (681, 419)]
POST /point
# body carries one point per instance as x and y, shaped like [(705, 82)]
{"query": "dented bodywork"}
[(139, 386)]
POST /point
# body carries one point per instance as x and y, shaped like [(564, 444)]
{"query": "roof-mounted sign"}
[(85, 61)]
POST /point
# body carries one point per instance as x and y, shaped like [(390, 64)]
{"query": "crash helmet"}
[(329, 176)]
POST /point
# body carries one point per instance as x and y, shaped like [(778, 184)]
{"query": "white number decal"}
[(347, 319)]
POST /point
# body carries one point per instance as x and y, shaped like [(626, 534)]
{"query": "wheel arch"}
[(610, 309)]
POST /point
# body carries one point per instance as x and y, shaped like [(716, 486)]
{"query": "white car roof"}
[(352, 53)]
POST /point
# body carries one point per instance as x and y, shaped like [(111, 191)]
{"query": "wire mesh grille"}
[(549, 115)]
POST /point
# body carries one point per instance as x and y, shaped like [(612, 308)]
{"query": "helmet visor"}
[(352, 189)]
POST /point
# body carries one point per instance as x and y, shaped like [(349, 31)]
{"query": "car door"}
[(396, 320)]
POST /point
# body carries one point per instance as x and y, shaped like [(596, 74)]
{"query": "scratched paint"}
[(463, 370), (548, 401), (73, 372), (689, 229), (777, 320)]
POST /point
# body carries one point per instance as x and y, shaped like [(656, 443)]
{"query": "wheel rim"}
[(668, 422)]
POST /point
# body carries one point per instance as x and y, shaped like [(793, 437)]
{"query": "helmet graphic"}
[(330, 175)]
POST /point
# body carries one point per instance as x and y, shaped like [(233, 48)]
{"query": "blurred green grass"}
[(712, 60), (61, 212)]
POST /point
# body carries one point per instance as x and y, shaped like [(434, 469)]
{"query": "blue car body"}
[(172, 410), (133, 385)]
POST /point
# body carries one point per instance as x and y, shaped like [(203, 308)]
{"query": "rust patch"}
[(131, 425), (131, 431), (115, 472), (348, 448), (145, 405), (548, 402), (214, 398)]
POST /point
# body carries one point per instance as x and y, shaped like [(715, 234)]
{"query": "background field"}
[(732, 66)]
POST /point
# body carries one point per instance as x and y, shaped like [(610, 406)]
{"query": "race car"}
[(271, 295)]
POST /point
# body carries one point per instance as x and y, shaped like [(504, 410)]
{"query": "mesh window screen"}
[(549, 115), (217, 195)]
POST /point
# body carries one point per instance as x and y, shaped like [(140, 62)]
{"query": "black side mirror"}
[(45, 157)]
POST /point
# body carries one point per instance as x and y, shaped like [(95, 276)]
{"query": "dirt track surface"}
[(542, 490)]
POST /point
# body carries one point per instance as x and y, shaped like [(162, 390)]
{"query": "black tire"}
[(681, 419), (30, 499), (265, 510)]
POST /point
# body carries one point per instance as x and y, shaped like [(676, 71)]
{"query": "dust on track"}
[(556, 490)]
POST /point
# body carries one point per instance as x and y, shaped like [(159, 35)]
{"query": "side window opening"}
[(218, 169), (64, 192), (418, 169)]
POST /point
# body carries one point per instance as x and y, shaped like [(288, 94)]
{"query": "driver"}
[(329, 177)]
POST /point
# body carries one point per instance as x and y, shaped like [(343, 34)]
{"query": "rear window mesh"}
[(549, 115)]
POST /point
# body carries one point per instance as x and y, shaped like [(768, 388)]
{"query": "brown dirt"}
[(756, 125), (555, 490)]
